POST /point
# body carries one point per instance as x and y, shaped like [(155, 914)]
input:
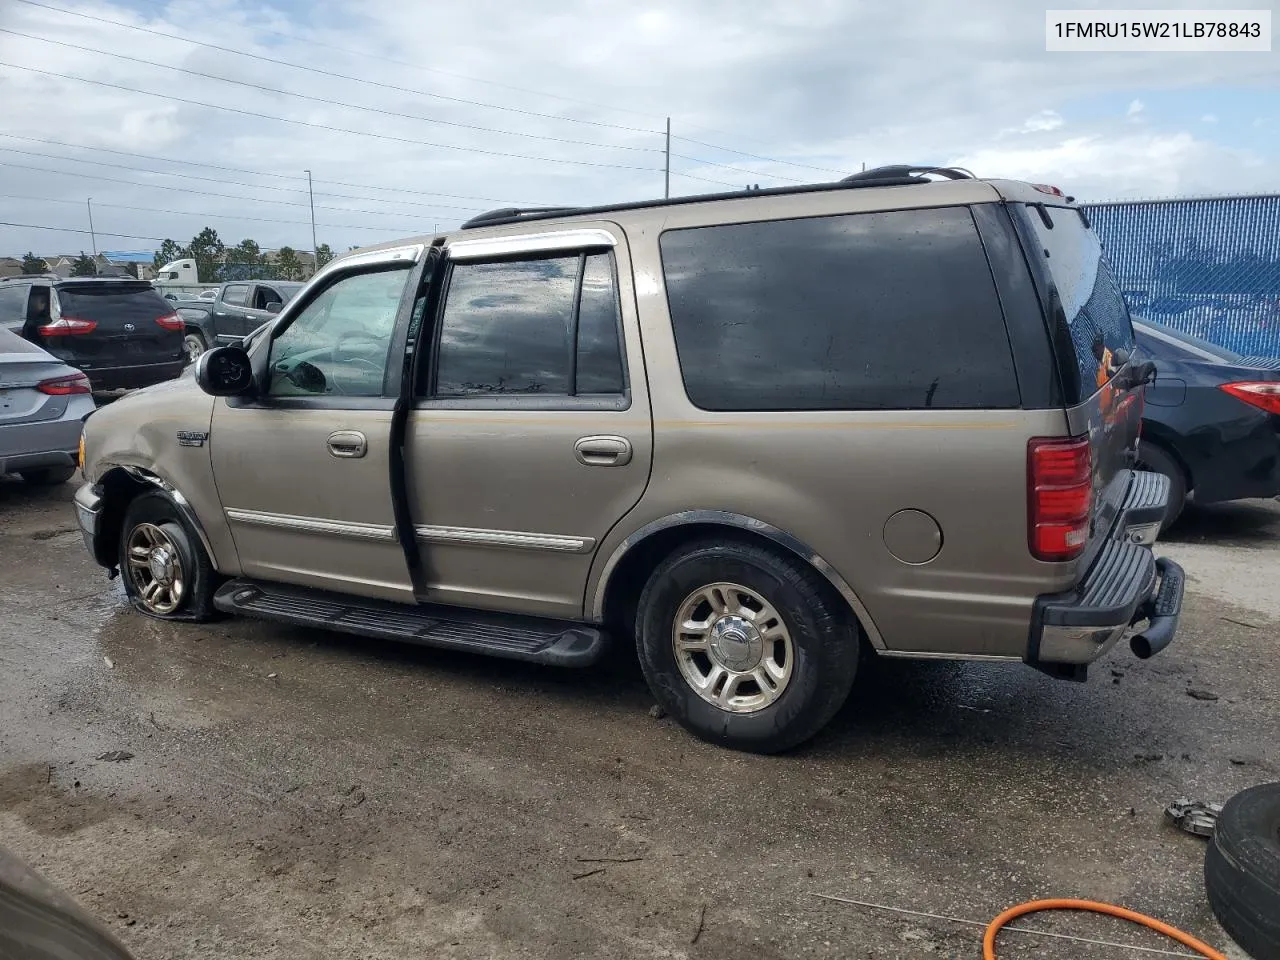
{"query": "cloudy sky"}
[(416, 115)]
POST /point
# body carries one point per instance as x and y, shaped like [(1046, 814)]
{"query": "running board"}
[(559, 643)]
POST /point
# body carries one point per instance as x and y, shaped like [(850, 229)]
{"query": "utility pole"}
[(92, 236), (666, 187), (315, 249)]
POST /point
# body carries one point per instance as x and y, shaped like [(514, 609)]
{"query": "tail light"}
[(67, 326), (1059, 496), (65, 386), (1265, 395), (171, 321)]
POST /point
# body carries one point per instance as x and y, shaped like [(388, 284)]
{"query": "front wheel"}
[(166, 571), (745, 646)]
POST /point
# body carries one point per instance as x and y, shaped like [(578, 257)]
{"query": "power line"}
[(324, 100), (403, 231), (324, 126), (189, 190), (263, 173), (426, 93), (233, 183), (101, 233)]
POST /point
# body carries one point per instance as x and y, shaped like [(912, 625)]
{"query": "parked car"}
[(119, 331), (753, 433), (1212, 419), (43, 403), (231, 311)]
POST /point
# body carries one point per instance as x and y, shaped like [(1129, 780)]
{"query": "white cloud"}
[(825, 84), (1135, 109)]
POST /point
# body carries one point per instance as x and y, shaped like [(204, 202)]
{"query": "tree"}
[(170, 251), (287, 264), (208, 252), (244, 261), (33, 264), (323, 255), (84, 266)]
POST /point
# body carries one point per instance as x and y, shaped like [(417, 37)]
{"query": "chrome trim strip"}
[(554, 543), (485, 247), (930, 655), (779, 537), (336, 528)]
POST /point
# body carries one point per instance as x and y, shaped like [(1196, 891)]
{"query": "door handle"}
[(603, 451), (347, 444)]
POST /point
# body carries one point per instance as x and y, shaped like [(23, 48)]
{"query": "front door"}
[(229, 319), (530, 436), (304, 471)]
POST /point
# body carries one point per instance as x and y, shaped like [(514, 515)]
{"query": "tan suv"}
[(759, 432)]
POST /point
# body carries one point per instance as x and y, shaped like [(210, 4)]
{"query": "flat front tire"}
[(745, 646), (166, 572)]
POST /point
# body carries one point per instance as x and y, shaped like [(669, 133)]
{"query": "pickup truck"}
[(238, 309)]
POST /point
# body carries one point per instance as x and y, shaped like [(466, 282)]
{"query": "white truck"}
[(180, 279)]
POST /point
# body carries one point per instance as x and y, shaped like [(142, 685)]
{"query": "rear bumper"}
[(136, 376), (1125, 585), (33, 446)]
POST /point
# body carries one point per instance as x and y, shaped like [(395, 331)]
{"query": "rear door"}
[(229, 312), (1094, 341), (109, 324)]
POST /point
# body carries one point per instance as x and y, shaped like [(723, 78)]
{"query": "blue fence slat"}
[(1209, 266)]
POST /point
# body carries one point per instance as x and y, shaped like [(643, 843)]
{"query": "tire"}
[(48, 476), (194, 343), (1158, 460), (805, 670), (1242, 870), (152, 522)]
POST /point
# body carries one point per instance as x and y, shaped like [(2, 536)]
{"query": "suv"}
[(758, 432), (119, 331)]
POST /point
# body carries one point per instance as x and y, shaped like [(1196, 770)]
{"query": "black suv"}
[(119, 331)]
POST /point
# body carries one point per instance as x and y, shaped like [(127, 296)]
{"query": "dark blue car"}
[(1212, 419)]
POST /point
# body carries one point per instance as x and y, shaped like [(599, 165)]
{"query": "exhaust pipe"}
[(1161, 612), (1157, 636)]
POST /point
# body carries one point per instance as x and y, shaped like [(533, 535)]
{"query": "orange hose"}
[(1034, 906)]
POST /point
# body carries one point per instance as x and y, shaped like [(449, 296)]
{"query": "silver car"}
[(43, 403)]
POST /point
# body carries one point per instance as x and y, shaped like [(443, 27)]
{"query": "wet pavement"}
[(298, 794)]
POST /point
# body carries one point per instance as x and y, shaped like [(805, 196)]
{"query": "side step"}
[(559, 643)]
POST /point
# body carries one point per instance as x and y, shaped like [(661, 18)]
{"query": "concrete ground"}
[(293, 794)]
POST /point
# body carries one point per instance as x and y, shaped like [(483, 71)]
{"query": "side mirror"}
[(224, 372), (1120, 356), (274, 306)]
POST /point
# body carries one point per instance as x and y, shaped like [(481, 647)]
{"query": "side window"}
[(235, 294), (546, 326), (892, 310), (339, 344), (13, 303)]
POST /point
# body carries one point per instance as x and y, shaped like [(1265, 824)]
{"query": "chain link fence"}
[(1209, 267)]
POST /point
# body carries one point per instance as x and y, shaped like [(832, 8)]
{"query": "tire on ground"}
[(825, 638), (1242, 870), (199, 579), (48, 476), (1158, 460)]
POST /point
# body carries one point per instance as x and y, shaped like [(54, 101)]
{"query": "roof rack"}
[(891, 176)]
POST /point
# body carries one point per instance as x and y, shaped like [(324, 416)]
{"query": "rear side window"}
[(546, 326), (235, 294), (108, 303), (1093, 307), (13, 302), (891, 310)]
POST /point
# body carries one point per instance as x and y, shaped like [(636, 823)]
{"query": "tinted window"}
[(508, 328), (338, 345), (892, 310), (13, 302), (1092, 304), (112, 303), (235, 295)]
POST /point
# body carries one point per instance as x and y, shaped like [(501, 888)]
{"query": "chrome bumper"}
[(88, 505)]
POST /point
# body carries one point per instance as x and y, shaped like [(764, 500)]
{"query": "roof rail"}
[(31, 276), (904, 173), (507, 214)]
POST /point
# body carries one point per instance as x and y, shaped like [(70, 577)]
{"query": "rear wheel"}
[(48, 476), (1158, 460), (193, 343), (744, 646), (165, 569)]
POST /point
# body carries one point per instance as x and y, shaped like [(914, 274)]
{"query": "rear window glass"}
[(887, 310), (1092, 303), (110, 302)]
